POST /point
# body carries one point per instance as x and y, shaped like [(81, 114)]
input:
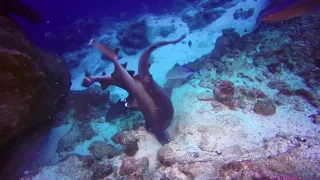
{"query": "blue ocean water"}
[(160, 90), (59, 13)]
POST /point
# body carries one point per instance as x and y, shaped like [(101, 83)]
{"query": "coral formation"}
[(241, 14), (133, 168), (224, 93), (101, 150), (128, 140)]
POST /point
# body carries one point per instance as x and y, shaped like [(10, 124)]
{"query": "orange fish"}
[(290, 9)]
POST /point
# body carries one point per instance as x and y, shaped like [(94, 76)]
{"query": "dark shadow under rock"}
[(77, 134), (89, 104)]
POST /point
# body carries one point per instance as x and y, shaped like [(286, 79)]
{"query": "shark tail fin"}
[(88, 80)]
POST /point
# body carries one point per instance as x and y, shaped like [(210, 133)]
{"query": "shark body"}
[(144, 93)]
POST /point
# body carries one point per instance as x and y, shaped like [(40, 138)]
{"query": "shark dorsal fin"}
[(116, 51), (124, 65), (87, 73), (104, 73), (131, 73)]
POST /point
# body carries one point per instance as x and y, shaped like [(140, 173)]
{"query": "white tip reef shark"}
[(144, 93)]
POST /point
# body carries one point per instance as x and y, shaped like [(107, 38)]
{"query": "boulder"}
[(33, 83)]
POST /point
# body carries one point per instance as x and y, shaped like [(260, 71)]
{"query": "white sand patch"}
[(148, 147), (200, 128)]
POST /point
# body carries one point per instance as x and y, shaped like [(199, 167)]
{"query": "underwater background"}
[(160, 90)]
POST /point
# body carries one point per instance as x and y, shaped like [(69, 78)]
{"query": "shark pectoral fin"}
[(104, 85), (163, 137), (105, 81), (87, 81)]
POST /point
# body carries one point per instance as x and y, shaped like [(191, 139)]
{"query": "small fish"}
[(181, 72), (189, 43), (290, 9)]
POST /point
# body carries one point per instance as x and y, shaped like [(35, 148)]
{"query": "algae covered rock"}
[(33, 83), (265, 108), (129, 140)]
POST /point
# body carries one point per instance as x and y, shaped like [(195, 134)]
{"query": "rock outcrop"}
[(33, 83)]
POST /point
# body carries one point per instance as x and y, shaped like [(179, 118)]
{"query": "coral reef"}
[(251, 114)]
